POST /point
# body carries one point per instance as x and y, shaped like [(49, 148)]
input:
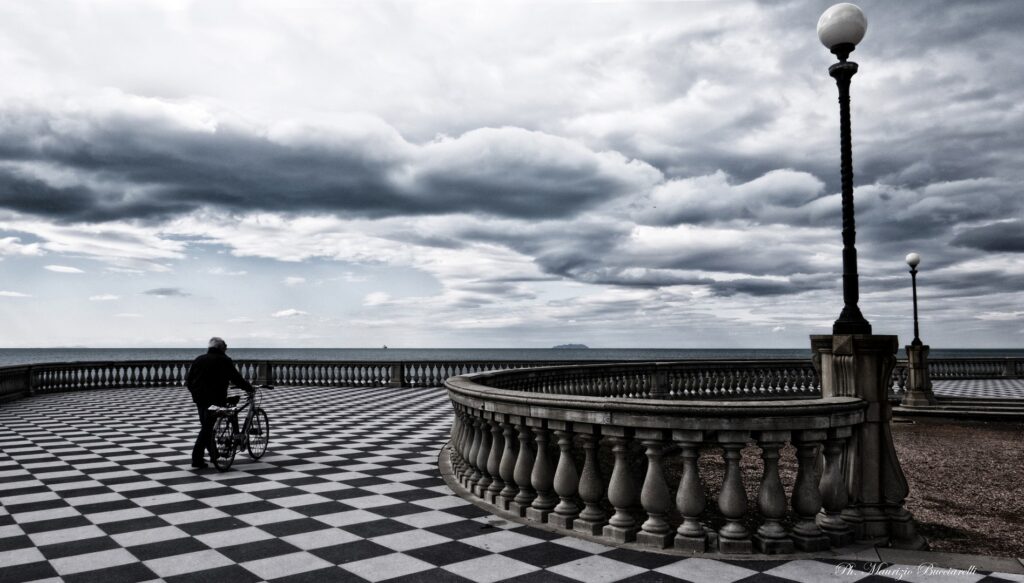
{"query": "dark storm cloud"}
[(1000, 237), (167, 292), (82, 168)]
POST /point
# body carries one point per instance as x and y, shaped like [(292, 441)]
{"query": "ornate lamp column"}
[(840, 28), (919, 384)]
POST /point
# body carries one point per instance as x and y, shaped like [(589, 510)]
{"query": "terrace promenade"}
[(95, 485)]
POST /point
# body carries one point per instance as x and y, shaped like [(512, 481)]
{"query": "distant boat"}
[(385, 347)]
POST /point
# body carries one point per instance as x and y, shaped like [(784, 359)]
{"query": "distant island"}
[(571, 346)]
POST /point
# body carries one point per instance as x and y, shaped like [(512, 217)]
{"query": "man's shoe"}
[(200, 464)]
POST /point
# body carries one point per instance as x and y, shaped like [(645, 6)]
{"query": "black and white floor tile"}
[(97, 486), (980, 388)]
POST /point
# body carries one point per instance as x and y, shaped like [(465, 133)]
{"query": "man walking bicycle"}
[(207, 380)]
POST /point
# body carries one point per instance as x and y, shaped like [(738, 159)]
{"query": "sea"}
[(16, 356)]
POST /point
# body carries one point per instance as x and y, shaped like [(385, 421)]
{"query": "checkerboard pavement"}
[(97, 486), (980, 388)]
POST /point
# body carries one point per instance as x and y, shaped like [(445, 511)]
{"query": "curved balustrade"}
[(536, 451), (781, 379)]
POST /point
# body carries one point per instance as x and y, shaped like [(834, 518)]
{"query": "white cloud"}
[(288, 313), (13, 294), (62, 269), (293, 280), (222, 271), (123, 246), (104, 298), (124, 270), (1001, 316), (240, 320), (13, 246), (716, 198), (378, 298)]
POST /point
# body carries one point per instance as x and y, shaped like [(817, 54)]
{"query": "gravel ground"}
[(966, 484)]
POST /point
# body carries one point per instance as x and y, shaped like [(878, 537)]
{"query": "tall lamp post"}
[(852, 361), (919, 383), (840, 28), (913, 259)]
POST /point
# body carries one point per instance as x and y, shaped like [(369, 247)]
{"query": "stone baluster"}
[(524, 468), (621, 526), (542, 478), (494, 461), (733, 537), (456, 444), (482, 455), (833, 489), (461, 446), (654, 495), (691, 534), (507, 467), (473, 476), (771, 537), (592, 518), (467, 445), (566, 479), (806, 497)]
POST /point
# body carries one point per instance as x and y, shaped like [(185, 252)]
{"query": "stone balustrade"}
[(975, 368), (15, 381), (714, 379), (536, 454)]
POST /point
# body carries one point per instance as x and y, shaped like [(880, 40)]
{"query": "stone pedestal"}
[(770, 546), (518, 508), (861, 366), (619, 534), (561, 521), (919, 384), (590, 527)]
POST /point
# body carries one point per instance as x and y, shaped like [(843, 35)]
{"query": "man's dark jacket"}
[(209, 376)]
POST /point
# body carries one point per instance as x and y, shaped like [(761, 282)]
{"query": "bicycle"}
[(226, 440)]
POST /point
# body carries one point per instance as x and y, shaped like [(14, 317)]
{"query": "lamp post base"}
[(919, 385)]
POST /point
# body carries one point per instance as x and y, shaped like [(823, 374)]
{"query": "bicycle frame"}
[(250, 409)]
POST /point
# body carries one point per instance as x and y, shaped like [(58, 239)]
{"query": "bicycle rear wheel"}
[(223, 443), (259, 434)]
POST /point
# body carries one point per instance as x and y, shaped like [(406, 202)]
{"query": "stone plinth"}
[(861, 366), (919, 384)]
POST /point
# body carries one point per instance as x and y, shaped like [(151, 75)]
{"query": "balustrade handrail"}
[(722, 379), (472, 392)]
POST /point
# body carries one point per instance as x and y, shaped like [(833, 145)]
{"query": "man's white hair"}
[(218, 343)]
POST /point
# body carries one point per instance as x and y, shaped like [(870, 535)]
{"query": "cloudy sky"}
[(501, 174)]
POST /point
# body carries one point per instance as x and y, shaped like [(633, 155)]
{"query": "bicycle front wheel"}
[(259, 434), (223, 443)]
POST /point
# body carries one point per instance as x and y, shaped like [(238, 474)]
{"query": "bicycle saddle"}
[(233, 400)]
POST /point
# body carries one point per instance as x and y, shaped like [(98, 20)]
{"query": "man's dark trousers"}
[(203, 440)]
